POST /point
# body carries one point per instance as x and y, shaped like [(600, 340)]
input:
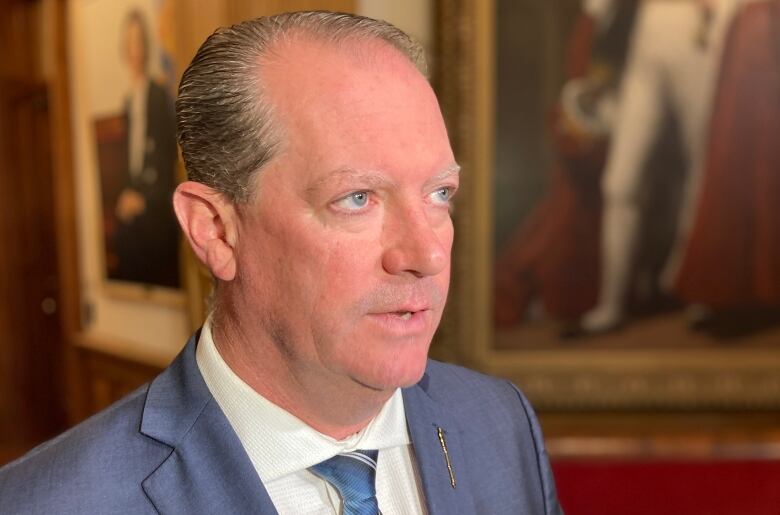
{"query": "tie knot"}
[(352, 474)]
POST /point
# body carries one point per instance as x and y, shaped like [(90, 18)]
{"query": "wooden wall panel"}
[(19, 33), (199, 18), (31, 288), (105, 378), (196, 19), (238, 10)]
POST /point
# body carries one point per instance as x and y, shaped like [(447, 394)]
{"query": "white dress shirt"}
[(282, 447)]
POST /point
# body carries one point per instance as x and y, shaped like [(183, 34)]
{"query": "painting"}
[(619, 236), (131, 78)]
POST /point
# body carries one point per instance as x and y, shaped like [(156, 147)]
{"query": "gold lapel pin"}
[(443, 443)]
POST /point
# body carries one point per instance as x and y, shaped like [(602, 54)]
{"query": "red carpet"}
[(669, 488)]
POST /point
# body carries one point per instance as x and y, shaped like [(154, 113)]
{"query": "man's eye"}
[(353, 201), (442, 195)]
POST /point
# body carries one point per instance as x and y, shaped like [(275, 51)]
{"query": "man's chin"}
[(391, 378)]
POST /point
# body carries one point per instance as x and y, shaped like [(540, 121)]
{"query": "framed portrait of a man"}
[(131, 76)]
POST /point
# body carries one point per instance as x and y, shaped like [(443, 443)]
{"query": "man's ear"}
[(209, 221)]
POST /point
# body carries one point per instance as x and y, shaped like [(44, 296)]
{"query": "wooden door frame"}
[(65, 208)]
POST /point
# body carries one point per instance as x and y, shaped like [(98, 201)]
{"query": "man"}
[(671, 73), (145, 239), (320, 185)]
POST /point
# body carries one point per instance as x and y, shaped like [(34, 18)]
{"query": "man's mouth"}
[(408, 311), (404, 321)]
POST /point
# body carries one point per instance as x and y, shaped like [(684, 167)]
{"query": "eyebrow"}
[(375, 178), (450, 171)]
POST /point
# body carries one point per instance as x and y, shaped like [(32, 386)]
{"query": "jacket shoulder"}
[(97, 466), (449, 383), (498, 427), (494, 405)]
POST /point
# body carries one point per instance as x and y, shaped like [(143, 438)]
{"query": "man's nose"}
[(414, 246)]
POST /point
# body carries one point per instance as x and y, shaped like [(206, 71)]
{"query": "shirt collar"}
[(277, 442)]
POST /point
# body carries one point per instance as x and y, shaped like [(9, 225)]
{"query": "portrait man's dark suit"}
[(147, 245), (168, 448)]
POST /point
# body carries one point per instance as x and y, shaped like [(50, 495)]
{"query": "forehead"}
[(358, 104)]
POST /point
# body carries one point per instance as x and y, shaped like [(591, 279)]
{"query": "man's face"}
[(344, 256)]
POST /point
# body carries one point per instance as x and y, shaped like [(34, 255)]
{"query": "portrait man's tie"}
[(352, 474)]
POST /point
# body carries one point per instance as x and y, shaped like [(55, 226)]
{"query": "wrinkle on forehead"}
[(302, 68), (375, 111)]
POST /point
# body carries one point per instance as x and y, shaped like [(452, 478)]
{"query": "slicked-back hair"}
[(225, 126)]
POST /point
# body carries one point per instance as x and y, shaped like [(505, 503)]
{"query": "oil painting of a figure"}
[(641, 203)]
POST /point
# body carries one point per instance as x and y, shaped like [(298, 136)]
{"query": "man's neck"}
[(336, 406)]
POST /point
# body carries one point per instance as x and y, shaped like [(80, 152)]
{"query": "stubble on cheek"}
[(345, 284)]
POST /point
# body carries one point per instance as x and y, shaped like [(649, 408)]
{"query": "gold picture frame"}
[(571, 377)]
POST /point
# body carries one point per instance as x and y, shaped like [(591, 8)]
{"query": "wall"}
[(413, 16)]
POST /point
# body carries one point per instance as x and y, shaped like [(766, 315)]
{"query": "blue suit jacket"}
[(168, 448)]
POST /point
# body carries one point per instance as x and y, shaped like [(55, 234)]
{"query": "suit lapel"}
[(424, 416), (208, 470)]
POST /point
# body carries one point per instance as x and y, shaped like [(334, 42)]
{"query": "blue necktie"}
[(352, 474)]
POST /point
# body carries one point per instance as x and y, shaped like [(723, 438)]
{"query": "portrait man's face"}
[(344, 254), (135, 47)]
